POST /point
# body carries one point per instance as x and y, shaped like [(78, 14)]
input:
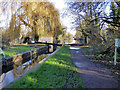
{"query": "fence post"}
[(48, 47), (54, 47)]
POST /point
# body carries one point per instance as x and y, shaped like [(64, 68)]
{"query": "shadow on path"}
[(94, 75)]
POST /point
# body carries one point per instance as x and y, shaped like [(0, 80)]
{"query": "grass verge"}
[(17, 49), (105, 59), (57, 72)]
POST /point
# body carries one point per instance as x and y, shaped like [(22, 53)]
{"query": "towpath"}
[(93, 74)]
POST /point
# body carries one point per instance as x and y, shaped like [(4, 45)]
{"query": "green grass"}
[(106, 59), (17, 49), (57, 72)]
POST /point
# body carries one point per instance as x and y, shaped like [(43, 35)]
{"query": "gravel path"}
[(93, 74)]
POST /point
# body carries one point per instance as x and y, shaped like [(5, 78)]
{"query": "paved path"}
[(93, 74)]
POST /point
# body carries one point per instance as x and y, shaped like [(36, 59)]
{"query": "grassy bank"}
[(106, 59), (57, 72), (17, 49)]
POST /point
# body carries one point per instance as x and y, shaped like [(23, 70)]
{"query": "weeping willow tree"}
[(42, 18)]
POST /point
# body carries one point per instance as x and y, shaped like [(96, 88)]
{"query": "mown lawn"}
[(57, 72), (17, 49)]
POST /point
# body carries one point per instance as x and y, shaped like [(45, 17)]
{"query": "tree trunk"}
[(86, 39)]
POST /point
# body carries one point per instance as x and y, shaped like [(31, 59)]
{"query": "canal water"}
[(19, 71)]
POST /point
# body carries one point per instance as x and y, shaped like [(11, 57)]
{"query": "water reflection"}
[(18, 70), (77, 64), (75, 48)]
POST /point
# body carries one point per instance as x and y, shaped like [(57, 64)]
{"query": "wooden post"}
[(48, 47), (54, 47), (86, 39)]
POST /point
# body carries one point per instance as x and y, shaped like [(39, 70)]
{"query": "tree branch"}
[(26, 24)]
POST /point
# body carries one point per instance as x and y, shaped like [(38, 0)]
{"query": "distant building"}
[(46, 39)]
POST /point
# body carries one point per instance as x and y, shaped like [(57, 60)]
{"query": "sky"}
[(66, 21)]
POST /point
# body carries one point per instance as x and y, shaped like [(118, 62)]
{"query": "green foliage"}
[(100, 56), (57, 72), (105, 59), (91, 29)]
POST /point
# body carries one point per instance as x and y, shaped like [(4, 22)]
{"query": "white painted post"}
[(117, 44), (115, 55)]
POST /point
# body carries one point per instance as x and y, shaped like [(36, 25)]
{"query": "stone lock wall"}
[(21, 58)]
